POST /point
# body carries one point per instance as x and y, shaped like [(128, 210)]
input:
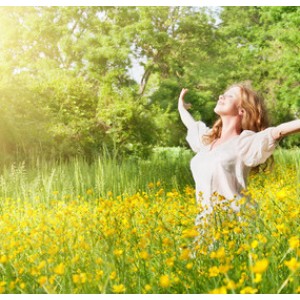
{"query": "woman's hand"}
[(181, 99)]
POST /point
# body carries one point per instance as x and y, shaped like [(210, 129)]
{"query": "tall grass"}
[(106, 174)]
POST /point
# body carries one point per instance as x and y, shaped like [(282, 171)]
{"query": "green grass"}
[(106, 174)]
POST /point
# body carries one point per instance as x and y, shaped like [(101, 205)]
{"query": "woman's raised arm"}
[(185, 116), (285, 129)]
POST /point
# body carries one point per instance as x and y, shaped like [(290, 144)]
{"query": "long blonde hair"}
[(255, 114)]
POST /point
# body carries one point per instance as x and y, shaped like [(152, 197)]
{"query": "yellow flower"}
[(118, 252), (231, 285), (59, 269), (185, 254), (113, 275), (190, 233), (167, 242), (258, 278), (164, 281), (120, 288), (22, 285), (150, 185), (213, 271), (221, 290), (254, 244), (75, 259), (41, 265), (3, 259), (99, 261), (76, 278), (220, 253), (248, 290), (294, 242), (281, 194), (2, 287), (42, 280), (148, 287), (292, 264), (144, 255), (170, 261), (260, 266), (189, 266), (89, 192), (79, 278), (224, 268)]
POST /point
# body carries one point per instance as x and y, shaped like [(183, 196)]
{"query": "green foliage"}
[(66, 90)]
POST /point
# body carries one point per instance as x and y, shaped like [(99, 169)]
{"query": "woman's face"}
[(229, 103)]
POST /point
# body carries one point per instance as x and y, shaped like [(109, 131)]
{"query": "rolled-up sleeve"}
[(194, 135), (256, 147)]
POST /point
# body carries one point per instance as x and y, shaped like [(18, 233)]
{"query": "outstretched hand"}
[(181, 98)]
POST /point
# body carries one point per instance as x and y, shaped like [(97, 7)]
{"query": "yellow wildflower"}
[(118, 252), (2, 287), (3, 259), (170, 261), (224, 268), (189, 266), (41, 265), (59, 269), (292, 264), (120, 288), (164, 281), (260, 266), (89, 192), (42, 280), (254, 244), (79, 278), (231, 285), (144, 255), (22, 285), (148, 287), (221, 290), (248, 290), (113, 275), (150, 185), (190, 233), (213, 271), (294, 242), (258, 278), (185, 254), (280, 195)]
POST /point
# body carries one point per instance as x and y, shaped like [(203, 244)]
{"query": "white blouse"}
[(224, 169)]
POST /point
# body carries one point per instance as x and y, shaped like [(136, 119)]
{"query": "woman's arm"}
[(285, 129), (185, 116)]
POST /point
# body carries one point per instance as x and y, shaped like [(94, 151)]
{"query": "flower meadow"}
[(147, 241)]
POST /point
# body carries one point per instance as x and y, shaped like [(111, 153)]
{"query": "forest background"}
[(66, 83)]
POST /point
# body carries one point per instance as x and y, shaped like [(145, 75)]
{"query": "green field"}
[(128, 227)]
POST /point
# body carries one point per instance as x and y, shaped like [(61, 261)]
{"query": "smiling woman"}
[(238, 141)]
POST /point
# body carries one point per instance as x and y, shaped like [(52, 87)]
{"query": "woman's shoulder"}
[(248, 133)]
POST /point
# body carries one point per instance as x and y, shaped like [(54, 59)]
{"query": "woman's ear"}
[(241, 112)]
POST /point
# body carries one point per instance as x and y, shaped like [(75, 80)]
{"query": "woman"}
[(239, 140)]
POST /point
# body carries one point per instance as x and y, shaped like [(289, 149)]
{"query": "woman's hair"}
[(255, 114)]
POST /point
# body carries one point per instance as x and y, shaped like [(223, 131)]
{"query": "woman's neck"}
[(231, 126)]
